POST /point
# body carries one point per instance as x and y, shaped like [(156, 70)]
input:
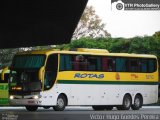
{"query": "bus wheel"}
[(61, 103), (96, 107), (127, 101), (137, 103), (108, 107), (46, 107), (31, 108)]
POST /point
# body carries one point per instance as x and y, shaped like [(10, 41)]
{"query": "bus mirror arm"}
[(41, 73), (3, 72)]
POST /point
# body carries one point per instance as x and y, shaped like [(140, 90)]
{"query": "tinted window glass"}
[(144, 65), (94, 63), (62, 62), (105, 64), (111, 65), (65, 62), (28, 61), (80, 63), (52, 63), (134, 65), (108, 64), (152, 65), (121, 64), (50, 71)]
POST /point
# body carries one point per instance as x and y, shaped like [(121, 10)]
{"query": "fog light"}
[(36, 97), (11, 97)]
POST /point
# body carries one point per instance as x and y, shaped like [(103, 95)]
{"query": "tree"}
[(157, 35), (118, 45), (86, 42), (90, 25), (6, 55)]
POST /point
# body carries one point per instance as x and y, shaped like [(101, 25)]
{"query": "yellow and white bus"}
[(85, 77)]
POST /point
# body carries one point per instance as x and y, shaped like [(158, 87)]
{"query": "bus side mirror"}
[(41, 73), (3, 72)]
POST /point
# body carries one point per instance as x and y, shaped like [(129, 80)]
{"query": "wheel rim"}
[(127, 103), (60, 103), (137, 102)]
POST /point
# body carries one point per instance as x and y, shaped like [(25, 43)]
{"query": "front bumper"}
[(24, 102)]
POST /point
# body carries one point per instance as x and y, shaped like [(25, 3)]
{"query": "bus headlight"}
[(11, 97), (36, 97)]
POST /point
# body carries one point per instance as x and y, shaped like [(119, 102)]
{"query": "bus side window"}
[(62, 62), (65, 62), (68, 62), (134, 66), (111, 65), (94, 63), (108, 64), (83, 64), (75, 63), (104, 64), (143, 66), (121, 64), (80, 63), (99, 68), (152, 65)]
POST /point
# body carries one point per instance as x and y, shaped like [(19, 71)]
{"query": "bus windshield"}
[(27, 69), (28, 61)]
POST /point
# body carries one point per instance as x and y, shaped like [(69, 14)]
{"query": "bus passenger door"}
[(50, 71)]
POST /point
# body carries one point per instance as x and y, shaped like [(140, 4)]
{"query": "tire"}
[(138, 102), (46, 107), (31, 108), (96, 107), (61, 103), (127, 102), (108, 107)]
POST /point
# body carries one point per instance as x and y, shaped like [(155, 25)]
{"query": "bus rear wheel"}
[(127, 101), (61, 103), (137, 103), (31, 108), (96, 107)]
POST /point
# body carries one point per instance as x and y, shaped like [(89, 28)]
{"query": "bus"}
[(4, 75), (83, 77)]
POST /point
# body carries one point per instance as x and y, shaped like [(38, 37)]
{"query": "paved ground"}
[(79, 113)]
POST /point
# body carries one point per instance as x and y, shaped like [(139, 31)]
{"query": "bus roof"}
[(87, 52)]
